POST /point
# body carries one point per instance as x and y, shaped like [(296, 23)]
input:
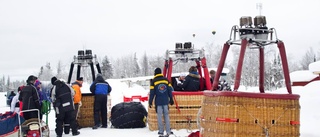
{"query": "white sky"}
[(34, 32)]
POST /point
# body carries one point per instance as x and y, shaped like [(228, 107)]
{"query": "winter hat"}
[(53, 79), (37, 83), (31, 78), (80, 79), (157, 71)]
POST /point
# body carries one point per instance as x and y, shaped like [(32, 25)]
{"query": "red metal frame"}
[(244, 44)]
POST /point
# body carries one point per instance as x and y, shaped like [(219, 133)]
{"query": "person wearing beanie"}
[(62, 100), (100, 88), (30, 98), (157, 71), (161, 93), (53, 80), (192, 80), (77, 97)]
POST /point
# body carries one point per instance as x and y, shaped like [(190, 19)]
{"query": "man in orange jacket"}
[(77, 96)]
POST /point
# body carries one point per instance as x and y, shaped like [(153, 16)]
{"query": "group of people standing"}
[(66, 101), (29, 97)]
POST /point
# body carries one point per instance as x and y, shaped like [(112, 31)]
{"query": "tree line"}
[(131, 65)]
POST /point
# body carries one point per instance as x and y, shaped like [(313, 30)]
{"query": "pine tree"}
[(145, 66), (136, 66), (307, 59), (45, 73), (106, 68), (59, 69)]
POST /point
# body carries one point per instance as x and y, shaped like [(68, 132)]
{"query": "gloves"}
[(171, 102)]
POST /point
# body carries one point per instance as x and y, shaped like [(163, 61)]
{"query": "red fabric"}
[(20, 106), (195, 134)]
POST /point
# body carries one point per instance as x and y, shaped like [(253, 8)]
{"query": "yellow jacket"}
[(77, 96)]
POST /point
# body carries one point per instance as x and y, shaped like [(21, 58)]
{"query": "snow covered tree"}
[(155, 62), (9, 86), (59, 69), (106, 68), (45, 73), (2, 84), (145, 64), (213, 54), (307, 58), (136, 67)]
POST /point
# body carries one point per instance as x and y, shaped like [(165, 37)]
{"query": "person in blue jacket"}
[(161, 90), (100, 88)]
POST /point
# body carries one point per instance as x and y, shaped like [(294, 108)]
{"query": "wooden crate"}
[(183, 114), (243, 114), (86, 111)]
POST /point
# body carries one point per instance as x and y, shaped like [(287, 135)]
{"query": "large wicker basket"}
[(86, 111), (243, 114), (183, 114)]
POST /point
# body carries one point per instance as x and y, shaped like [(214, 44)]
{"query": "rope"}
[(189, 130), (266, 130)]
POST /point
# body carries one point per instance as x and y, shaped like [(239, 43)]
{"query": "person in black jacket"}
[(192, 80), (62, 98), (30, 99), (161, 90), (100, 88)]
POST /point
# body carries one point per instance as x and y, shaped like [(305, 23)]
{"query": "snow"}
[(315, 67), (309, 114), (302, 75)]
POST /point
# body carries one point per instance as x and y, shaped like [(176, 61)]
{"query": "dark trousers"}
[(65, 117), (29, 115), (100, 109)]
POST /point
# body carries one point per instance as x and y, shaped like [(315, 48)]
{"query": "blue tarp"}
[(8, 122)]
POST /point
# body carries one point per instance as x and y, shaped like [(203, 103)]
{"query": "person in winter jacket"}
[(77, 97), (30, 99), (15, 105), (62, 99), (37, 84), (192, 80), (100, 88), (161, 90)]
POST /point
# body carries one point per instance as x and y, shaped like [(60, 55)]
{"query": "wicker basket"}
[(243, 114), (183, 114), (86, 111)]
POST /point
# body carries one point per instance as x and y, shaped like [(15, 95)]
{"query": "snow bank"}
[(315, 67), (303, 75)]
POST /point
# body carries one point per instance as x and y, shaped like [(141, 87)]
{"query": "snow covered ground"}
[(309, 114)]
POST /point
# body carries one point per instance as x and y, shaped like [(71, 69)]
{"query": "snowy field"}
[(309, 101)]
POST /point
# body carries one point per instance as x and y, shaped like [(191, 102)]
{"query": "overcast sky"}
[(33, 32)]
